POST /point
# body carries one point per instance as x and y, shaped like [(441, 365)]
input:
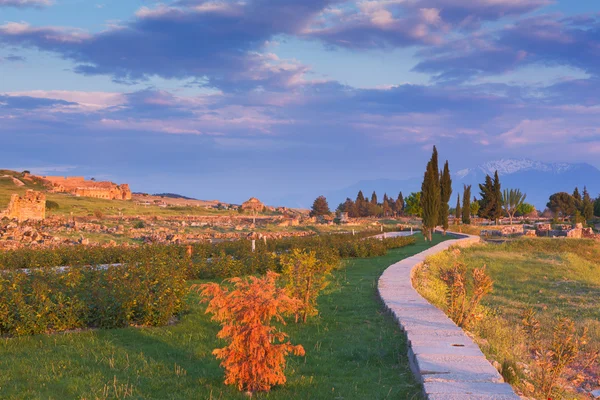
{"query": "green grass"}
[(556, 277), (354, 350)]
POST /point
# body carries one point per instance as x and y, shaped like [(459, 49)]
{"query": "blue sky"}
[(231, 99)]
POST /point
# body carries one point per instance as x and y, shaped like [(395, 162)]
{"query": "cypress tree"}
[(400, 204), (466, 210), (445, 193), (485, 197), (578, 199), (497, 210), (362, 205), (587, 205), (458, 210), (374, 198), (430, 197)]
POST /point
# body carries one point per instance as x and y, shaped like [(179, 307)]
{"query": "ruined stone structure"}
[(253, 204), (32, 206), (78, 186)]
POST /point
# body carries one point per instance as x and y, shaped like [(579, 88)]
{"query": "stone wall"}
[(78, 186), (32, 206)]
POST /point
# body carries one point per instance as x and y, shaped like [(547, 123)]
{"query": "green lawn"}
[(556, 277), (354, 350)]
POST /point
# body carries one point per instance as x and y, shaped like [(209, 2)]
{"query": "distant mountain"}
[(173, 196), (537, 179), (168, 195)]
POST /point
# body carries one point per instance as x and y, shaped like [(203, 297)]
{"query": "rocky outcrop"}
[(32, 206)]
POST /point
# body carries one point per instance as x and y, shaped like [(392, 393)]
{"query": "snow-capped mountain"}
[(512, 166), (537, 179)]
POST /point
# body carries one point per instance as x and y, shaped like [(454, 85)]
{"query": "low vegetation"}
[(541, 322), (353, 351)]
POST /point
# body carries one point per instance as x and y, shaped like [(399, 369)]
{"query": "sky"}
[(231, 99)]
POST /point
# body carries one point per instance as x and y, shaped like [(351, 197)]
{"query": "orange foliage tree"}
[(255, 358), (306, 276)]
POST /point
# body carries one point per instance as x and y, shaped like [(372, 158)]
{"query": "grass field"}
[(557, 277), (354, 351)]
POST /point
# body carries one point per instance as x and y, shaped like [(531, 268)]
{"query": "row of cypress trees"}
[(436, 190)]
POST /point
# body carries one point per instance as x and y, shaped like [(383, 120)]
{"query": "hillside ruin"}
[(32, 207), (80, 187)]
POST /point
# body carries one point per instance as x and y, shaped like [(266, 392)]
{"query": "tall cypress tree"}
[(466, 208), (430, 197), (486, 195), (497, 210), (578, 199), (445, 193), (400, 204), (458, 210)]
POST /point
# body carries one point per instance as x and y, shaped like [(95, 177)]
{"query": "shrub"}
[(147, 290), (254, 358), (52, 205), (553, 357), (139, 225), (98, 214), (305, 277), (460, 303)]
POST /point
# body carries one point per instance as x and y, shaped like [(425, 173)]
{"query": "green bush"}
[(148, 283), (146, 291), (52, 205)]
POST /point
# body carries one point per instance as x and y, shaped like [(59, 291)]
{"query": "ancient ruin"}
[(32, 206), (253, 204), (80, 187)]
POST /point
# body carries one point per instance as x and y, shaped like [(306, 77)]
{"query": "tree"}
[(431, 196), (413, 205), (305, 277), (362, 205), (597, 207), (475, 206), (491, 198), (466, 210), (511, 200), (577, 198), (562, 204), (350, 207), (320, 207), (399, 204), (374, 198), (386, 207), (254, 358), (587, 205), (525, 209), (445, 193), (457, 210)]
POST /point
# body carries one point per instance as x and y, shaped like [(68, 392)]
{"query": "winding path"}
[(443, 358)]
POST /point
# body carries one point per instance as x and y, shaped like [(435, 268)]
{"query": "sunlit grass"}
[(354, 351)]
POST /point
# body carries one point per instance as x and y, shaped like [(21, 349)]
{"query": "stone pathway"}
[(443, 358)]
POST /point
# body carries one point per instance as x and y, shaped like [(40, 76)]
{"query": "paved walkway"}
[(442, 357)]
